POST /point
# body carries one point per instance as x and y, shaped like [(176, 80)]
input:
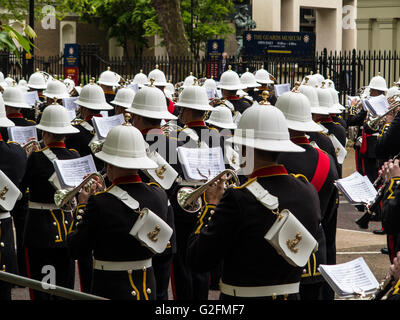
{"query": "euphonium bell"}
[(65, 199), (189, 198), (96, 146)]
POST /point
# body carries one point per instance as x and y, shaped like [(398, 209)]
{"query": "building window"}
[(307, 20)]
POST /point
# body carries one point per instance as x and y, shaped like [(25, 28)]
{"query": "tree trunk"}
[(170, 19)]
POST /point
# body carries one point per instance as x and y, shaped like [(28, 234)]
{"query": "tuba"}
[(65, 199), (189, 199)]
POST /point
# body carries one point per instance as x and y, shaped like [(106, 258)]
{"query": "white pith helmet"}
[(335, 97), (194, 97), (140, 79), (319, 78), (92, 97), (221, 117), (296, 108), (150, 102), (124, 147), (249, 79), (37, 81), (311, 93), (124, 97), (15, 97), (230, 81), (190, 80), (265, 129), (378, 83), (4, 121), (393, 91), (263, 76), (9, 80), (55, 119), (23, 84), (109, 78), (326, 101), (56, 89), (210, 84), (159, 77)]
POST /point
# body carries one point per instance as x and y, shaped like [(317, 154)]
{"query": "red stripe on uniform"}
[(322, 170)]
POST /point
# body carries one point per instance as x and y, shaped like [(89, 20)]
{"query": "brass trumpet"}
[(169, 127), (65, 199), (190, 199), (28, 147), (375, 123)]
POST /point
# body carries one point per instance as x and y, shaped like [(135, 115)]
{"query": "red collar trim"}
[(15, 115), (196, 124), (152, 131), (326, 119), (1, 138), (232, 98), (300, 140), (273, 170), (93, 115), (59, 144), (127, 179)]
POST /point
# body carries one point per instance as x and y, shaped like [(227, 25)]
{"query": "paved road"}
[(351, 241)]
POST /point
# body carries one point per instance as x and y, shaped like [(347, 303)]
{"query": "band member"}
[(36, 82), (193, 105), (13, 164), (148, 109), (14, 100), (229, 85), (47, 226), (250, 81), (91, 101), (320, 170), (108, 81), (266, 80), (232, 225), (160, 81), (123, 100), (122, 264)]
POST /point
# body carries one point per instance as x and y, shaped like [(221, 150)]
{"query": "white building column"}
[(267, 14)]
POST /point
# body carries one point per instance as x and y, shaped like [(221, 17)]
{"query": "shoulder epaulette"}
[(15, 142), (338, 123), (31, 121), (212, 128), (104, 191), (323, 133), (73, 150), (299, 176), (154, 184), (248, 182)]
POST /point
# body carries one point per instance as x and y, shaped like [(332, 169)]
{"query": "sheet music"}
[(69, 103), (134, 87), (31, 97), (209, 161), (71, 172), (104, 113), (210, 93), (72, 114), (104, 125), (379, 104), (341, 151), (357, 188), (22, 134), (350, 277), (281, 88), (219, 93)]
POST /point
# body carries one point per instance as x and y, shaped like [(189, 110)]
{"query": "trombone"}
[(65, 198), (375, 123), (189, 199)]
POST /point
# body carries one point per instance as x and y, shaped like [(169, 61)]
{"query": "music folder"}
[(350, 279), (356, 188)]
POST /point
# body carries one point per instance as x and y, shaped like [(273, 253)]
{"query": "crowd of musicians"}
[(281, 149)]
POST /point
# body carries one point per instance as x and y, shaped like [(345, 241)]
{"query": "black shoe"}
[(384, 251), (378, 231), (360, 208)]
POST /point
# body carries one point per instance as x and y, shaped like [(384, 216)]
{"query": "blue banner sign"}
[(215, 48), (292, 44), (71, 55)]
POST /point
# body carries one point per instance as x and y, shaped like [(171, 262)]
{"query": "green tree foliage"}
[(210, 21)]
